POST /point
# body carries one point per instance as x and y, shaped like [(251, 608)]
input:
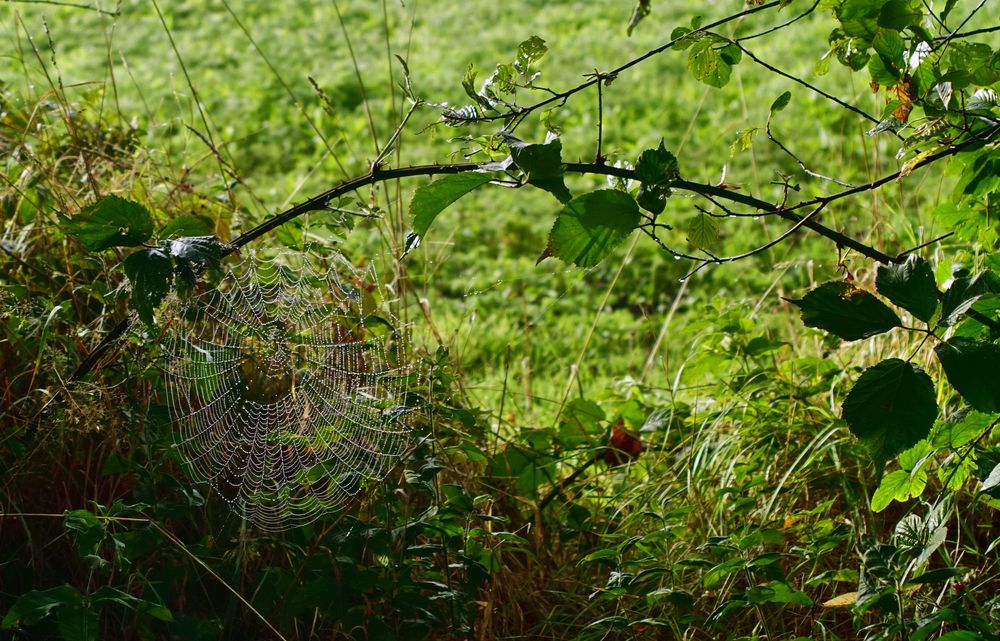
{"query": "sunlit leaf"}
[(112, 221), (432, 199), (707, 63), (590, 226), (703, 230)]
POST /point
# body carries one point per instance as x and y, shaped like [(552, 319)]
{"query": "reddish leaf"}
[(622, 446)]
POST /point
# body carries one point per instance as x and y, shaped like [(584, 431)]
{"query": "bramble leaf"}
[(703, 231), (709, 64), (432, 199), (910, 285), (846, 311), (543, 165), (891, 407), (112, 221), (149, 271), (655, 169), (592, 225), (971, 367), (963, 294)]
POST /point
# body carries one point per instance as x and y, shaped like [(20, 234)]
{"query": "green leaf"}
[(703, 230), (529, 52), (891, 407), (655, 169), (893, 484), (111, 222), (149, 271), (34, 606), (900, 14), (744, 140), (707, 64), (963, 294), (971, 367), (88, 530), (940, 575), (889, 45), (432, 199), (954, 434), (640, 11), (781, 102), (906, 483), (777, 592), (542, 164), (591, 225), (187, 225), (846, 311), (910, 285)]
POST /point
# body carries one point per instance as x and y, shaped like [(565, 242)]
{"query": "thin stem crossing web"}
[(287, 384)]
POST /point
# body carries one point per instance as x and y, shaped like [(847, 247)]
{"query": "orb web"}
[(287, 385)]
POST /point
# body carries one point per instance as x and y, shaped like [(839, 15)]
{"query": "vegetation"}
[(699, 317)]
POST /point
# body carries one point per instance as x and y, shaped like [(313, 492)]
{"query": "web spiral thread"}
[(287, 386)]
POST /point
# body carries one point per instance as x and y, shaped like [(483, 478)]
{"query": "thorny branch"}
[(713, 192)]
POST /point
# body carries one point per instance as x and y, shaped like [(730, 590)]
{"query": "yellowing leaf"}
[(841, 600)]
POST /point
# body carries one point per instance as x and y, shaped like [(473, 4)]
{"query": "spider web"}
[(287, 385)]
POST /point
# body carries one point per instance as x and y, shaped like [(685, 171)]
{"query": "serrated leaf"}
[(971, 367), (112, 221), (963, 294), (846, 311), (910, 285), (706, 63), (954, 434), (655, 169), (529, 52), (149, 271), (543, 165), (889, 45), (891, 407), (900, 485), (703, 231), (432, 199), (592, 225)]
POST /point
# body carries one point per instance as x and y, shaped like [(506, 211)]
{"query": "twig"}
[(563, 95)]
